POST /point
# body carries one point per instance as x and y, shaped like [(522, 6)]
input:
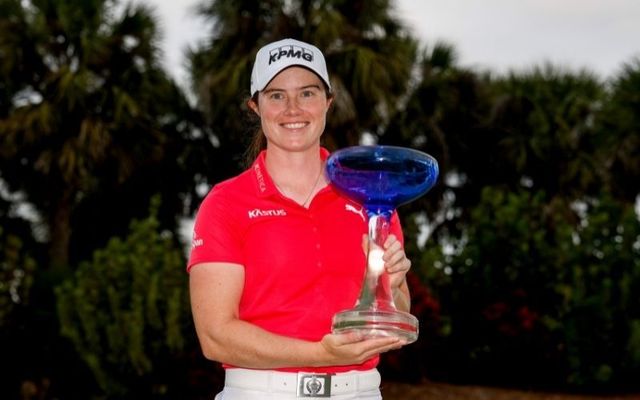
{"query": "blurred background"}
[(526, 255)]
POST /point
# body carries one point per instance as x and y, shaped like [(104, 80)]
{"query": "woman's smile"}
[(295, 125)]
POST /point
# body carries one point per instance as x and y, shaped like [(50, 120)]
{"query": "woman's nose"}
[(292, 105)]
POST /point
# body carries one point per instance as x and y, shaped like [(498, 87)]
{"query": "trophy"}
[(380, 178)]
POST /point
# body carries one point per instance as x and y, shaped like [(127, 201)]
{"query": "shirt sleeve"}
[(216, 232)]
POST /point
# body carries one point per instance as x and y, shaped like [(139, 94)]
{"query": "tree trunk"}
[(60, 231)]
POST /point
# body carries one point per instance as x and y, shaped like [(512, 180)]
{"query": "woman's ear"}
[(253, 105), (329, 102)]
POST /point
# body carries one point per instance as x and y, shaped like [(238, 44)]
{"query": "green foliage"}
[(88, 111), (599, 284), (529, 293), (535, 169), (545, 118), (126, 310), (619, 127), (16, 277)]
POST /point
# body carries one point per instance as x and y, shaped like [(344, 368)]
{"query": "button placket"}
[(318, 246)]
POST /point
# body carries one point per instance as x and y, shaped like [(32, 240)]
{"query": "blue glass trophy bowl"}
[(381, 178)]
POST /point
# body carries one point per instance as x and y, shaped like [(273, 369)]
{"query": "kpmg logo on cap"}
[(290, 51)]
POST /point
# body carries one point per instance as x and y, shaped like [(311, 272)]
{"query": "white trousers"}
[(245, 384)]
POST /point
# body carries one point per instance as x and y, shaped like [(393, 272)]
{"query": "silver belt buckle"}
[(314, 385)]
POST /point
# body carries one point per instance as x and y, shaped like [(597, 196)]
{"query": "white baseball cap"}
[(276, 56)]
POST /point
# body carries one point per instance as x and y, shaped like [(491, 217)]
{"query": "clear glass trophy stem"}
[(375, 314), (376, 289)]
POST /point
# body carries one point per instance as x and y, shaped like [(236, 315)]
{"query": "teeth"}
[(296, 125)]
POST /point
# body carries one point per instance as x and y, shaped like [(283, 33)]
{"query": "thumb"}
[(349, 337)]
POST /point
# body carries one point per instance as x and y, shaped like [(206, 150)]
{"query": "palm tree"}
[(546, 122), (85, 108), (533, 129), (443, 115), (369, 56), (619, 133)]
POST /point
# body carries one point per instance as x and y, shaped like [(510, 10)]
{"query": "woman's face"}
[(293, 109)]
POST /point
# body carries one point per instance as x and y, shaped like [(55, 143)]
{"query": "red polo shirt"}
[(301, 265)]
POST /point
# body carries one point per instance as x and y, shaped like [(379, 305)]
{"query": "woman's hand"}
[(397, 265), (352, 348), (395, 261)]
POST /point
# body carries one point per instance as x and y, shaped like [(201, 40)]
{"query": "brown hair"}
[(258, 141)]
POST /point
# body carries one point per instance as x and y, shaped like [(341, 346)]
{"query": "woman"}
[(277, 252)]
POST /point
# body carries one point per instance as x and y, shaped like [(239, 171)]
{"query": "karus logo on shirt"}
[(266, 213)]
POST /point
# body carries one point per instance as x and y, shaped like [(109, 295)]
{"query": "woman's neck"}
[(297, 175)]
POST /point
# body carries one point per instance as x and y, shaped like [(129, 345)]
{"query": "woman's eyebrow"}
[(310, 87), (316, 86)]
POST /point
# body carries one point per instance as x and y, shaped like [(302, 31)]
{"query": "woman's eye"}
[(276, 96), (308, 93)]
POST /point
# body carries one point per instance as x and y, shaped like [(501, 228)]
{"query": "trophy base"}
[(377, 323)]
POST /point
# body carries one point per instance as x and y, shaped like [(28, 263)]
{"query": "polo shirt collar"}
[(264, 184)]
